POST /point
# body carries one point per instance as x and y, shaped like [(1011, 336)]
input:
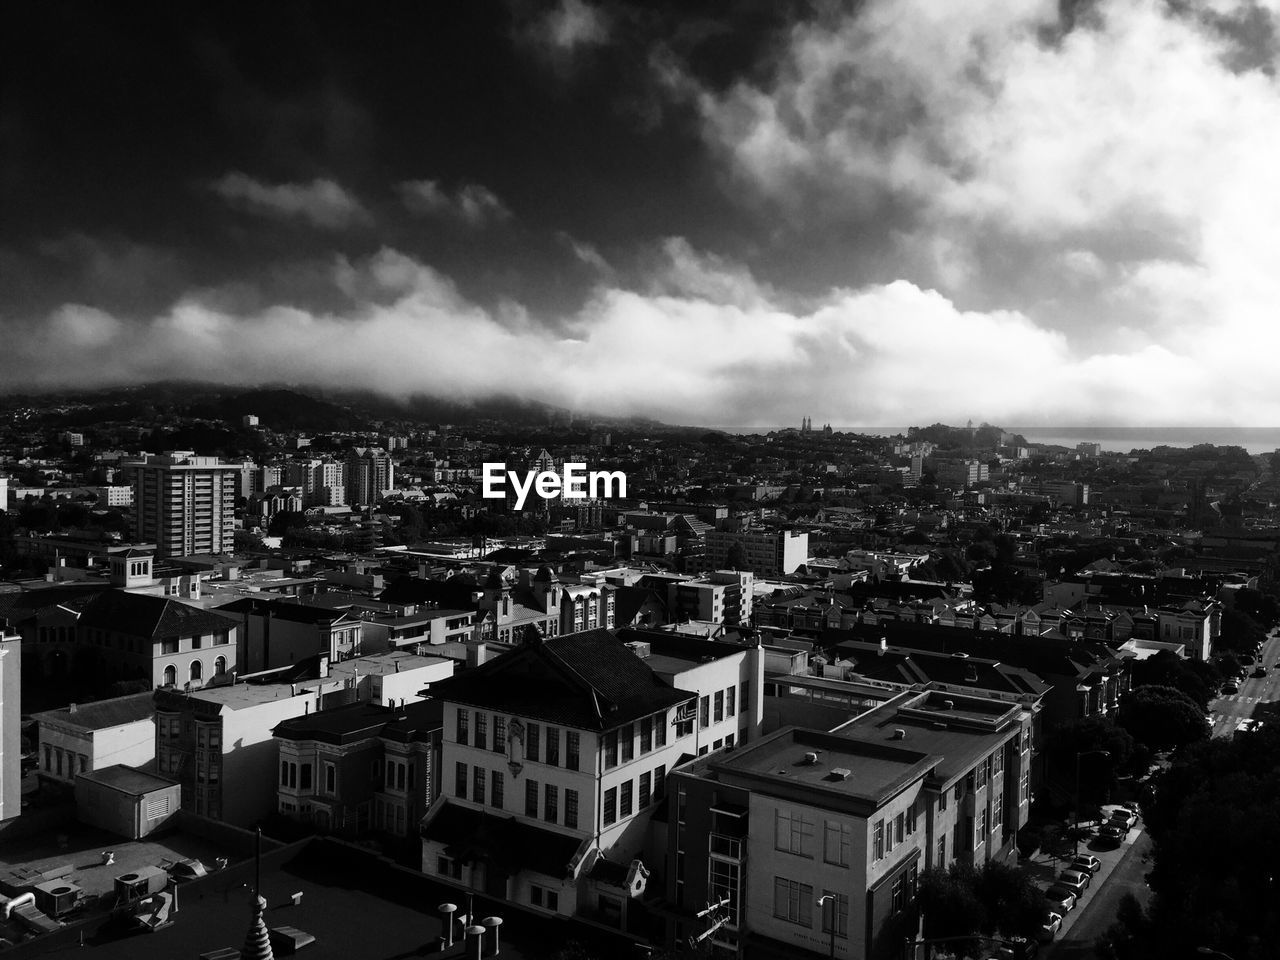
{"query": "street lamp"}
[(1079, 754), (822, 902)]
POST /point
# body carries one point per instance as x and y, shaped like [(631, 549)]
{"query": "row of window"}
[(886, 835), (794, 902), (53, 761), (537, 747), (620, 745), (631, 796), (489, 786), (195, 671), (297, 776), (713, 708)]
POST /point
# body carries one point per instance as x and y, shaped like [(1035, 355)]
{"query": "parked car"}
[(1123, 817), (1049, 929), (1075, 881), (1009, 951), (1261, 671), (1086, 863), (1112, 833), (1060, 899), (1230, 688)]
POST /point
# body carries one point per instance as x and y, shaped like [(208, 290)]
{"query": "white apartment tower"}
[(184, 504)]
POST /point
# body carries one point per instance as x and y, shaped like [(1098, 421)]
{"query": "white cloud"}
[(703, 342), (573, 24), (472, 203), (321, 202)]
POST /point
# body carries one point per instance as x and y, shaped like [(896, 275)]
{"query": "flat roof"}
[(237, 696), (877, 771), (104, 714), (386, 663), (128, 780)]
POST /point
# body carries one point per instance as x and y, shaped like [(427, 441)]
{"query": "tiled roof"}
[(105, 713), (589, 680), (141, 615)]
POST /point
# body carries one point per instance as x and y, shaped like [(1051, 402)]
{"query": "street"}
[(1231, 710), (1099, 910)]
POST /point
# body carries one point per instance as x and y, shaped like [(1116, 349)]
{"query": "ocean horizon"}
[(1256, 440)]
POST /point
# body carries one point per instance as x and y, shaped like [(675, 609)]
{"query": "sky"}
[(877, 213)]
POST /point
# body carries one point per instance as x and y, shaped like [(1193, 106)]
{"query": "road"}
[(1229, 711), (1099, 910)]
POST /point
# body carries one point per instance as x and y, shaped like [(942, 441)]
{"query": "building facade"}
[(184, 504)]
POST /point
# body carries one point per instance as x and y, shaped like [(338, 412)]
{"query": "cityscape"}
[(601, 479)]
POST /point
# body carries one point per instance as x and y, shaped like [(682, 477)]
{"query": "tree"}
[(1097, 772), (736, 557), (285, 521), (1166, 669), (1240, 633), (1160, 717)]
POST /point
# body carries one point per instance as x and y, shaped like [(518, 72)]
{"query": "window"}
[(980, 835), (728, 740), (659, 782), (899, 829), (646, 735), (197, 670), (330, 778), (627, 739), (911, 818), (942, 800), (288, 774), (942, 852), (743, 695), (729, 695), (477, 784), (532, 742), (611, 749), (219, 665), (610, 812), (464, 717), (553, 746), (837, 842), (959, 792), (898, 895), (981, 773), (460, 781), (999, 760), (793, 901), (628, 787), (499, 734), (997, 812), (645, 780), (551, 803), (1024, 783), (684, 718), (571, 746), (571, 808), (704, 712), (660, 729), (723, 881), (482, 730), (496, 798), (877, 840), (793, 833), (836, 907), (170, 675), (531, 798), (719, 706), (544, 898), (305, 780)]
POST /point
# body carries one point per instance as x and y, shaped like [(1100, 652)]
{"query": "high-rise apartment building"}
[(370, 472), (184, 504)]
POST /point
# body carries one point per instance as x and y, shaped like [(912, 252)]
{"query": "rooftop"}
[(103, 714), (380, 664), (860, 770), (128, 780), (357, 721), (236, 696)]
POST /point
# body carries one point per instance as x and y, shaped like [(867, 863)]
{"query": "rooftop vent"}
[(640, 648), (810, 759), (948, 704), (899, 733), (960, 656), (841, 773)]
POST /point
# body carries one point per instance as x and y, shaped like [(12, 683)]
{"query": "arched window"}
[(170, 675), (197, 670), (219, 665)]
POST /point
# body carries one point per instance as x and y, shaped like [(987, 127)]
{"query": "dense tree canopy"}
[(1162, 717)]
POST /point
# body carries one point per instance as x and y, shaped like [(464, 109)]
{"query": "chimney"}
[(71, 709)]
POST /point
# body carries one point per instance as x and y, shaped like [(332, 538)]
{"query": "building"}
[(362, 767), (370, 473), (553, 759), (959, 474), (184, 504), (849, 817), (217, 744), (277, 633), (766, 553), (322, 482), (724, 596), (127, 802), (10, 722), (1065, 493), (82, 738), (168, 643)]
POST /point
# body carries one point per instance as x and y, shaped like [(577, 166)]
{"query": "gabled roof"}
[(590, 680), (141, 615)]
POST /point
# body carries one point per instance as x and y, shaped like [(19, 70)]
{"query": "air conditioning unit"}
[(641, 648)]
